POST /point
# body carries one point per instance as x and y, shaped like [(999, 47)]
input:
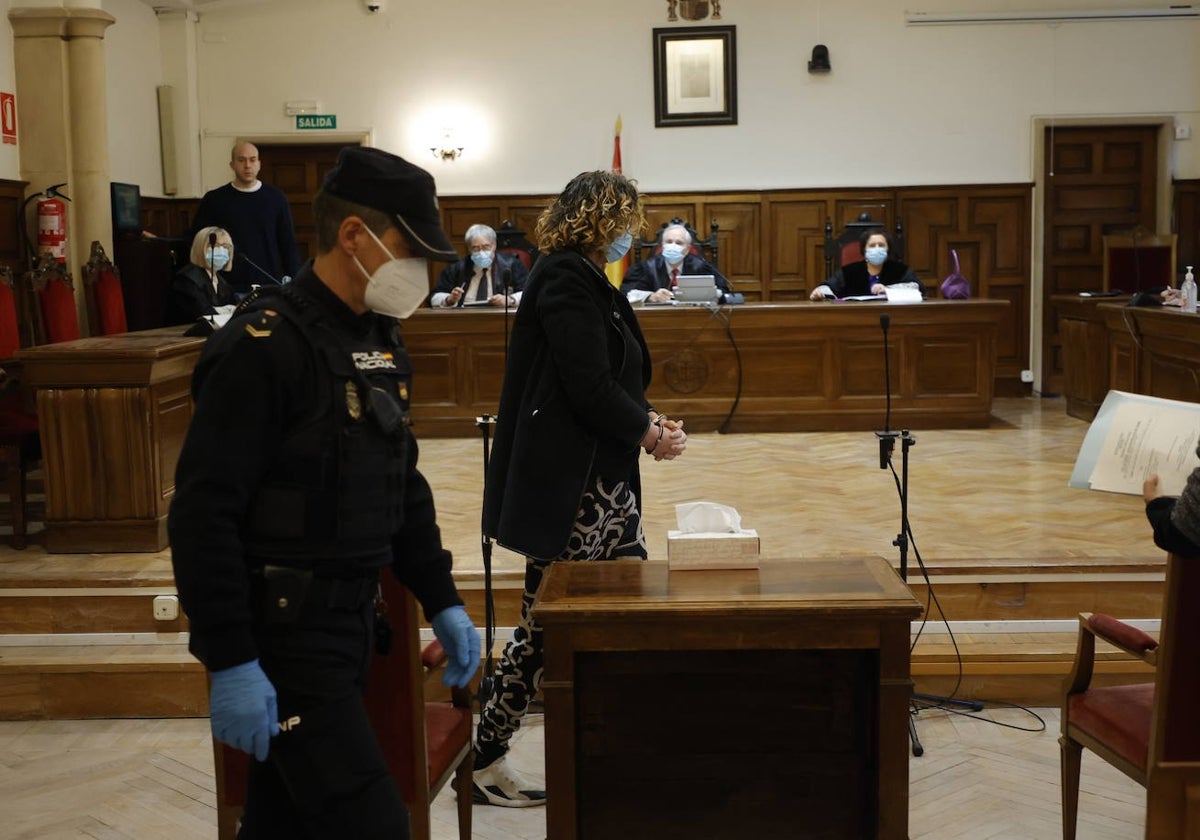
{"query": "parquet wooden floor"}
[(152, 779), (997, 493)]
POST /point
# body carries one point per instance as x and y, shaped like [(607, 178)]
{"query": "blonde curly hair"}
[(592, 211)]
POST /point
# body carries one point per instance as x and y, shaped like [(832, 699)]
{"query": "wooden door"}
[(1099, 180), (299, 170)]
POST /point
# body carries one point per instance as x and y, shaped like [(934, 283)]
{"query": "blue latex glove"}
[(459, 637), (243, 708)]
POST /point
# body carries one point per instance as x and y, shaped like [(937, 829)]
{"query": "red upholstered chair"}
[(512, 242), (1150, 731), (425, 742), (55, 295), (844, 249), (105, 298)]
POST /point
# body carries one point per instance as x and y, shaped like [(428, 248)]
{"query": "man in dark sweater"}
[(258, 219)]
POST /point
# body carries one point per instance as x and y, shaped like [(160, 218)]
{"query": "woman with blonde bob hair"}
[(198, 288), (563, 481)]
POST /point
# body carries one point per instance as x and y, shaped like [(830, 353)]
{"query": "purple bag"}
[(955, 286)]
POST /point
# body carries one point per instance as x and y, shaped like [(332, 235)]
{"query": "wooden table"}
[(727, 704), (1153, 350), (752, 368), (112, 412)]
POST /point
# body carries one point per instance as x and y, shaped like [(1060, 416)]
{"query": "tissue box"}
[(712, 550)]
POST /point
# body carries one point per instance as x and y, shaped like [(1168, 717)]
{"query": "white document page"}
[(1134, 436)]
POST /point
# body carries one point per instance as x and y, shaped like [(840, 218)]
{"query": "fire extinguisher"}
[(52, 224)]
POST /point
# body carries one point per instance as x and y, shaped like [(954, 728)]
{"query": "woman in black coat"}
[(872, 274), (563, 482), (198, 288)]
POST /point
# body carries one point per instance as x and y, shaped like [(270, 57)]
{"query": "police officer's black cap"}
[(385, 182)]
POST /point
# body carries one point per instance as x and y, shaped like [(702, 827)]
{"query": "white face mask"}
[(398, 286), (672, 252)]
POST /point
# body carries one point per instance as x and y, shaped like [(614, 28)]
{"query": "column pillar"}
[(60, 80)]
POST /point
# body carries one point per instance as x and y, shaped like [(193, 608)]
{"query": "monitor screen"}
[(126, 207), (1140, 269)]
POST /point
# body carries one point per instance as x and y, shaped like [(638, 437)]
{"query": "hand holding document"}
[(1135, 436)]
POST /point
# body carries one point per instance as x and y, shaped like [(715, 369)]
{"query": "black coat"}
[(191, 295), (460, 272), (854, 279), (653, 274), (564, 406)]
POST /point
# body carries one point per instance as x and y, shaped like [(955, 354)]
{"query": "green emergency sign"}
[(311, 121)]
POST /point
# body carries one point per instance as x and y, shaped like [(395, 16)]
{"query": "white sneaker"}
[(500, 784)]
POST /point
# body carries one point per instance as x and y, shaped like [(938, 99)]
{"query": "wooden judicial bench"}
[(112, 413), (1151, 350), (114, 410), (727, 704), (754, 368)]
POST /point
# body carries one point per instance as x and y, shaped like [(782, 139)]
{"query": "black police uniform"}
[(297, 482)]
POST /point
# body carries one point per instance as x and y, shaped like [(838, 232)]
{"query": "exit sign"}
[(311, 121)]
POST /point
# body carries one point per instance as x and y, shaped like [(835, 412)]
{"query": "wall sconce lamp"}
[(447, 152), (820, 60)]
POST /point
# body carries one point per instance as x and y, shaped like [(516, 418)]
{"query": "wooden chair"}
[(706, 249), (512, 241), (105, 298), (425, 742), (1139, 261), (1147, 731), (844, 249), (54, 299)]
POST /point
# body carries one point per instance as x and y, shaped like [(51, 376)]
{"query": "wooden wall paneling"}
[(880, 204), (739, 220), (456, 218), (12, 193), (524, 214), (169, 217), (1185, 217), (661, 209), (793, 262), (931, 219)]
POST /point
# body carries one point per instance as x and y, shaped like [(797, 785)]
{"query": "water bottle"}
[(1187, 292)]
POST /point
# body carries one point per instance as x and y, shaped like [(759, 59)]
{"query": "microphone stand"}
[(887, 446), (484, 423)]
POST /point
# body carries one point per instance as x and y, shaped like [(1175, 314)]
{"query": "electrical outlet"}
[(166, 607), (1026, 376)]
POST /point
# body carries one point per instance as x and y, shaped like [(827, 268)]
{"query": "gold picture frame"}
[(695, 76)]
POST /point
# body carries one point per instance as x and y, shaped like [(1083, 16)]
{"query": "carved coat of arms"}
[(693, 9)]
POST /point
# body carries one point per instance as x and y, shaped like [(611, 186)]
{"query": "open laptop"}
[(696, 288)]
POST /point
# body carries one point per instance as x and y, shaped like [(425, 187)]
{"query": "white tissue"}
[(707, 518)]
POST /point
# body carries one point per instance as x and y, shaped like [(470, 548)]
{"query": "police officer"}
[(297, 483)]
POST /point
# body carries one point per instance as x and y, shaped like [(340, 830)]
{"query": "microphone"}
[(259, 269), (212, 244)]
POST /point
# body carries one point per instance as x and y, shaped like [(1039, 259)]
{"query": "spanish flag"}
[(616, 270)]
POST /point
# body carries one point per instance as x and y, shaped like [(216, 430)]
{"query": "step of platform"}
[(75, 645)]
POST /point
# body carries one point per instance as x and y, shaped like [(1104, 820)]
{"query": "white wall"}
[(537, 87), (134, 71), (10, 161)]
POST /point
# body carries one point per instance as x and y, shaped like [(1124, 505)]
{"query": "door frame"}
[(224, 140), (1162, 210)]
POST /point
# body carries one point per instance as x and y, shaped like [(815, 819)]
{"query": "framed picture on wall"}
[(695, 76)]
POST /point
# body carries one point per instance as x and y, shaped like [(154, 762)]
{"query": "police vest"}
[(335, 490)]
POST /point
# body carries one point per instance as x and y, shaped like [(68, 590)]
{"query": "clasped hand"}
[(665, 439)]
